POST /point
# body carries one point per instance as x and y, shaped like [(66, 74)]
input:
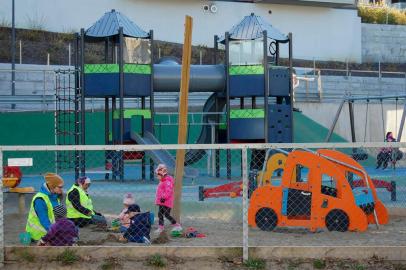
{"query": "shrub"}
[(381, 15)]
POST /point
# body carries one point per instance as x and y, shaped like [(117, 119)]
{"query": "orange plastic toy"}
[(316, 191), (11, 176)]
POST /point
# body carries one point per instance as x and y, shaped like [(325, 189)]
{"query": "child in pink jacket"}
[(164, 198)]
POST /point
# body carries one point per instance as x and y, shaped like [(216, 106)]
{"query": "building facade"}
[(322, 30)]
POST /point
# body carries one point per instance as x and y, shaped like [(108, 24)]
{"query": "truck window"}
[(302, 173), (328, 185)]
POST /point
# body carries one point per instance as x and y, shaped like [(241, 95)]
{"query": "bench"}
[(21, 197)]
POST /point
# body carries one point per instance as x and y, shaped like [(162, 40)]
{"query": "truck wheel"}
[(337, 220), (266, 219)]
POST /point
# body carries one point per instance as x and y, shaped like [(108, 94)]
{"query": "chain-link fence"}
[(234, 195)]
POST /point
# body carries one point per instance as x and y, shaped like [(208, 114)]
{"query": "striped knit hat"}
[(60, 211)]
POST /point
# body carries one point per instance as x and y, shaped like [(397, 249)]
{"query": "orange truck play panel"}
[(316, 191)]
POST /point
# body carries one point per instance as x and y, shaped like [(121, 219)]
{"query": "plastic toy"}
[(315, 192)]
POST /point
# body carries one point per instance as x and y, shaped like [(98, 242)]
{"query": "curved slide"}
[(161, 156), (192, 156)]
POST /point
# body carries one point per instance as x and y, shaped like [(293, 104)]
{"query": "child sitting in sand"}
[(139, 227), (124, 218)]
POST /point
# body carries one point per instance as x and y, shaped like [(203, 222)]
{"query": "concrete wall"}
[(384, 43), (319, 33), (324, 114)]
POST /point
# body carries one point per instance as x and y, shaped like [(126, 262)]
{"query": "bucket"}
[(25, 238)]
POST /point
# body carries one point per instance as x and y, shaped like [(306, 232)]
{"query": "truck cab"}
[(316, 192)]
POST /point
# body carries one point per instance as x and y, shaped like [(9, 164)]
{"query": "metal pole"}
[(245, 202), (151, 98), (330, 131), (351, 111), (290, 84), (77, 94), (266, 86), (402, 123), (82, 99), (121, 86), (69, 54), (13, 54), (277, 54), (215, 49), (21, 52), (228, 107), (106, 112)]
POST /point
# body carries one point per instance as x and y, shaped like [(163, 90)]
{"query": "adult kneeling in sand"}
[(80, 206), (41, 215)]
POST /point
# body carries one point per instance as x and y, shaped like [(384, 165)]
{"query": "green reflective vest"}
[(34, 227), (84, 200)]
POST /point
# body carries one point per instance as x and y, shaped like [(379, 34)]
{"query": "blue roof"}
[(109, 25), (252, 27)]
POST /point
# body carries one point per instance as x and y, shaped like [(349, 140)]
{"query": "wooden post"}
[(183, 111)]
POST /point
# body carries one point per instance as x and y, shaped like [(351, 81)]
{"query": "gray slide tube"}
[(203, 78)]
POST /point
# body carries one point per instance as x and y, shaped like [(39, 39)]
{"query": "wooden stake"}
[(183, 112)]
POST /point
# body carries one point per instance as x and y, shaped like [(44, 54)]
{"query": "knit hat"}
[(163, 168), (128, 199), (60, 211), (53, 180), (83, 180)]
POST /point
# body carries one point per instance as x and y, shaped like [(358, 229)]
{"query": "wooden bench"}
[(21, 197)]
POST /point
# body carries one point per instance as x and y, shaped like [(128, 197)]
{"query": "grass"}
[(359, 267), (26, 256), (68, 257), (319, 264), (110, 263), (254, 263), (381, 15), (156, 260)]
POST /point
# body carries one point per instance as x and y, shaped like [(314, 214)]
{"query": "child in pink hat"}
[(164, 198)]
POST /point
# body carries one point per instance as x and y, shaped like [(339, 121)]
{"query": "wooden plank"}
[(183, 111)]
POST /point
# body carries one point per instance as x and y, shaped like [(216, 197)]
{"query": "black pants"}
[(165, 212), (382, 159)]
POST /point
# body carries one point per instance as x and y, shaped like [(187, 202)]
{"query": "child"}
[(139, 228), (124, 217), (164, 198), (63, 232)]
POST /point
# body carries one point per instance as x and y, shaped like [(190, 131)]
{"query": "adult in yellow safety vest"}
[(41, 215), (80, 205)]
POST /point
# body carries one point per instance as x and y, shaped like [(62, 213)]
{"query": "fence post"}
[(1, 213), (245, 203), (69, 52), (21, 55)]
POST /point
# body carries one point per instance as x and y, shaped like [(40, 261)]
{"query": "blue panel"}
[(137, 85), (362, 196), (280, 124), (247, 85), (247, 129), (148, 125), (279, 83), (101, 84), (127, 129), (285, 193)]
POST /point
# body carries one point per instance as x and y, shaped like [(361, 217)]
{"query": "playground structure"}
[(316, 191), (132, 73)]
